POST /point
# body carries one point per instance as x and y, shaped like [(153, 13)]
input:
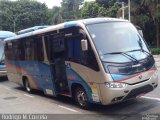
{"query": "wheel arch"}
[(24, 78), (85, 87)]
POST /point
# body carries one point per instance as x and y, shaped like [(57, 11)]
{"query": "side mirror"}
[(84, 45)]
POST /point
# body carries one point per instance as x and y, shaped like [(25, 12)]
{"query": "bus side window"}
[(74, 51), (16, 50), (21, 50), (38, 49), (8, 51), (48, 43), (34, 49), (54, 45), (91, 59), (88, 57), (58, 46), (48, 47), (28, 49)]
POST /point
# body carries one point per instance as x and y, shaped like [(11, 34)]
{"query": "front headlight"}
[(115, 85), (118, 69)]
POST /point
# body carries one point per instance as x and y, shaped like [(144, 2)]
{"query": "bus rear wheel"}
[(27, 86), (81, 98)]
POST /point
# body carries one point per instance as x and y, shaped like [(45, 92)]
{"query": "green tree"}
[(154, 9), (57, 15), (90, 9), (106, 3), (70, 9), (17, 15), (93, 9), (140, 17)]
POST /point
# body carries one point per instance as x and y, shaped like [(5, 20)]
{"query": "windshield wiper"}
[(126, 55), (140, 50), (141, 46)]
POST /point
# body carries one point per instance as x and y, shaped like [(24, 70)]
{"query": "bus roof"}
[(31, 29), (65, 25), (6, 34), (99, 20)]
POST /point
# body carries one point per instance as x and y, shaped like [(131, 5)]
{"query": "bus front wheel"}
[(27, 86), (81, 98)]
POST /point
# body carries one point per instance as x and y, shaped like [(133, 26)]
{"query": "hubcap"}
[(82, 98), (28, 87)]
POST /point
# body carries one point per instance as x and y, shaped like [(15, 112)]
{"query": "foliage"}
[(92, 9), (107, 3), (155, 51), (154, 10), (22, 14), (55, 16), (70, 9)]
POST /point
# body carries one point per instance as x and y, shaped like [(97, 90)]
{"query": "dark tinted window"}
[(29, 46), (73, 49), (8, 51), (16, 50), (34, 49), (54, 45), (39, 51), (25, 49), (67, 44)]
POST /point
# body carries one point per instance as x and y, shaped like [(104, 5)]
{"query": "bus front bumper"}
[(115, 95)]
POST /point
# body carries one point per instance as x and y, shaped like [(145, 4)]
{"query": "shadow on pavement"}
[(62, 99), (3, 79)]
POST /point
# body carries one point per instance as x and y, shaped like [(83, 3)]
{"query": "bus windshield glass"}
[(1, 50), (116, 37)]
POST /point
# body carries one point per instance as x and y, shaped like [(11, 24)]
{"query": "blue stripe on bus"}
[(2, 66), (43, 77)]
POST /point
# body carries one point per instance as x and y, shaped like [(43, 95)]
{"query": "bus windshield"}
[(1, 50), (116, 37)]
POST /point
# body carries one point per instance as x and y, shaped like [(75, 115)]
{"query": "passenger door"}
[(57, 62)]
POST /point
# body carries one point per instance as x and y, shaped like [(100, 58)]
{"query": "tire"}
[(81, 98), (27, 86)]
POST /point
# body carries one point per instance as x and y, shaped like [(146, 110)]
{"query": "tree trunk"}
[(157, 34)]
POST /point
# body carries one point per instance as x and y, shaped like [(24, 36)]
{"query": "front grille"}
[(138, 91)]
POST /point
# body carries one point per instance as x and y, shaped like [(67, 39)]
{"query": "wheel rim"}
[(28, 86), (81, 98)]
